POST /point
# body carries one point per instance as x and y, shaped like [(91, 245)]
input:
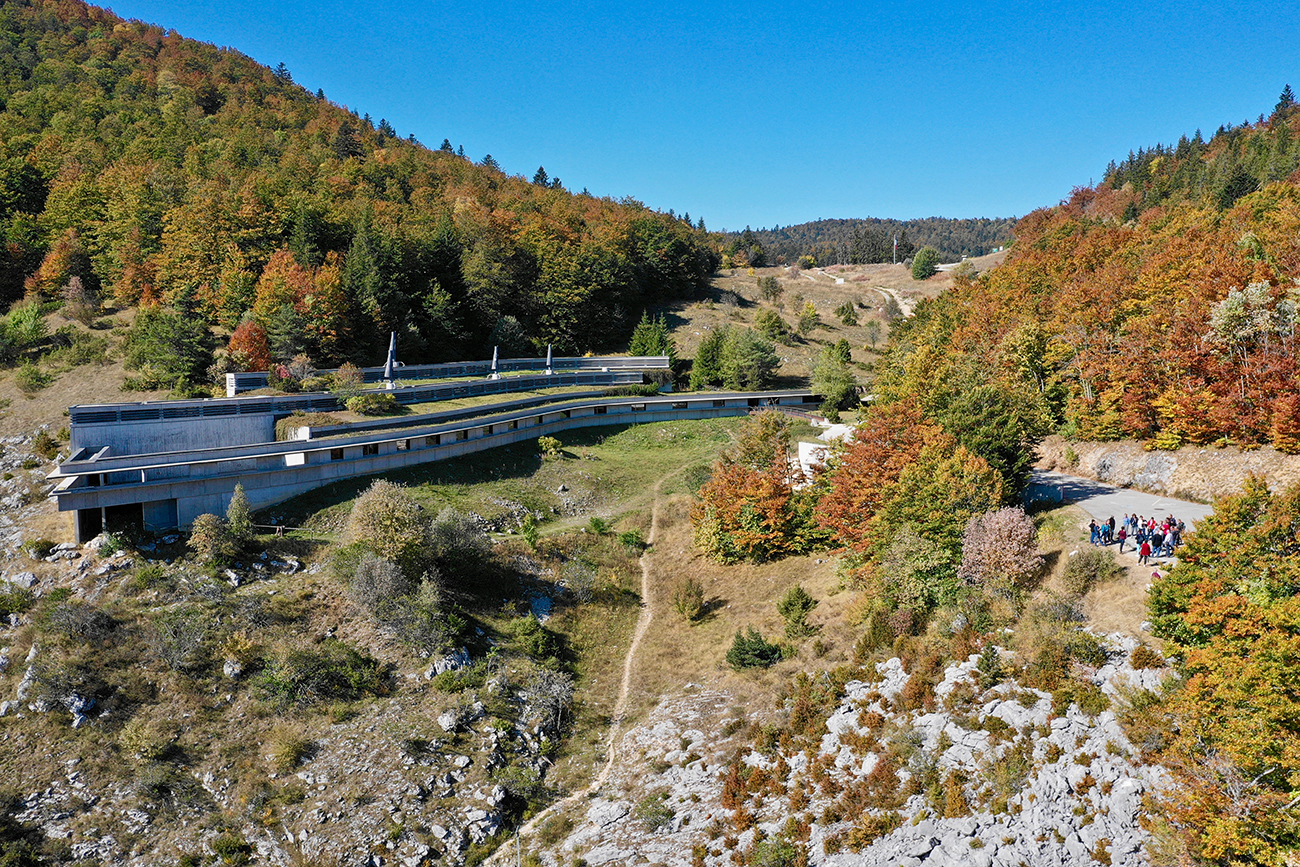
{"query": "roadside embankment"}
[(1190, 473)]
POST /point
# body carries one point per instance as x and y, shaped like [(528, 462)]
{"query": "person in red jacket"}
[(1144, 552)]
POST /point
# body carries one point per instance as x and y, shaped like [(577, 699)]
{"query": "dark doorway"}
[(127, 519), (90, 523)]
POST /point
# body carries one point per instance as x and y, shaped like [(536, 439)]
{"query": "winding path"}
[(501, 856)]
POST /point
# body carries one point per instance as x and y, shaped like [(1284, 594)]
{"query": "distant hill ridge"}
[(866, 240)]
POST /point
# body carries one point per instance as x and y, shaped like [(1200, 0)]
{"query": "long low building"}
[(168, 489), (145, 427)]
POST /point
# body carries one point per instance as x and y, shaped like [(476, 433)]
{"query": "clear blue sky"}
[(775, 113)]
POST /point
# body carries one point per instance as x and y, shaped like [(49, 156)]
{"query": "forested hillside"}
[(1236, 161), (139, 167), (1175, 326), (861, 242)]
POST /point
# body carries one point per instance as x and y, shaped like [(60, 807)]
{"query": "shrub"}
[(550, 696), (232, 850), (529, 530), (45, 445), (771, 288), (387, 520), (112, 543), (346, 382), (632, 542), (653, 811), (847, 314), (1089, 567), (30, 379), (750, 650), (688, 598), (182, 638), (1144, 657), (78, 619), (1000, 546), (549, 446), (534, 639), (774, 852), (457, 680), (871, 827), (579, 577), (598, 525), (373, 403), (329, 671), (290, 748), (14, 599), (38, 549), (377, 584), (794, 608), (210, 539), (148, 740), (455, 540)]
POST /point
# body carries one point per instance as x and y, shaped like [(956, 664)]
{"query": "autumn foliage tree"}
[(248, 348), (750, 508), (859, 476), (1231, 608)]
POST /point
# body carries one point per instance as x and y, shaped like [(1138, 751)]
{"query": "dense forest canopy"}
[(160, 170), (855, 242), (1175, 326)]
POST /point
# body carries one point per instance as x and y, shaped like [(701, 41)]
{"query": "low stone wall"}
[(1200, 474)]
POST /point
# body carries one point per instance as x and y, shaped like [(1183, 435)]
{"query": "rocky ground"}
[(1021, 780)]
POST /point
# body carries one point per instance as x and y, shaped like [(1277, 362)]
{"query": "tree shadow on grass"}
[(709, 610)]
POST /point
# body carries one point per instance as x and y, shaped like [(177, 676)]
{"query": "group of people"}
[(1149, 537)]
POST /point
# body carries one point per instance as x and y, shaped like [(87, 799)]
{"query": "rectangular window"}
[(369, 449), (336, 454), (462, 435), (403, 445), (434, 440), (719, 404), (638, 407), (600, 410), (681, 404)]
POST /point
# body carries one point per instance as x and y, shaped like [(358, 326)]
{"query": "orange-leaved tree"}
[(248, 347), (751, 509)]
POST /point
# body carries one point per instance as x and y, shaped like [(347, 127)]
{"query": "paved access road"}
[(1101, 500)]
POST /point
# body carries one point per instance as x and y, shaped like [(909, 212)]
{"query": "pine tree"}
[(540, 178), (1285, 100)]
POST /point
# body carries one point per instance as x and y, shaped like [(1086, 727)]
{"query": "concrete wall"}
[(173, 435)]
